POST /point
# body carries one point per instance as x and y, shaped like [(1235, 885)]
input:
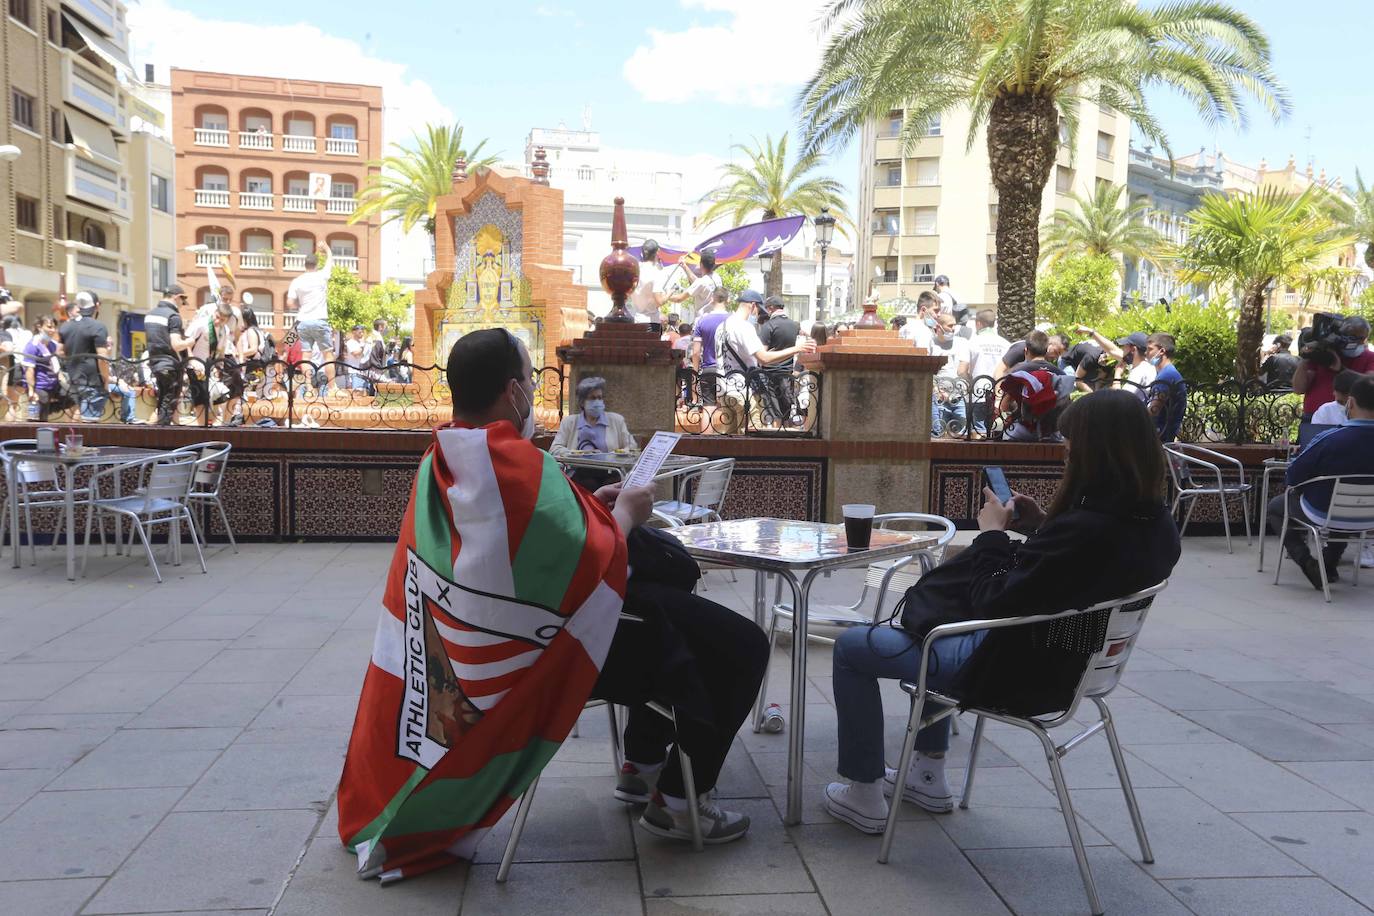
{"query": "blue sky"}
[(694, 76)]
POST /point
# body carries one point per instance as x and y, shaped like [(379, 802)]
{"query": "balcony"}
[(95, 184), (91, 91), (106, 272), (347, 262), (922, 246), (294, 143), (293, 262), (249, 200), (99, 12), (341, 205), (256, 260), (337, 146), (254, 139), (209, 136), (211, 258), (206, 197)]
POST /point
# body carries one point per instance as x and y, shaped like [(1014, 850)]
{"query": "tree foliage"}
[(1100, 225), (414, 177), (1079, 289), (1204, 332), (1356, 216), (351, 304)]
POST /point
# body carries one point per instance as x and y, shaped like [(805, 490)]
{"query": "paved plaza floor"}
[(176, 748)]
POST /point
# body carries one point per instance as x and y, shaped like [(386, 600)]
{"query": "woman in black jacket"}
[(1107, 534)]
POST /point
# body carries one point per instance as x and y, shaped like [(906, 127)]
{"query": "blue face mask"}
[(1354, 349), (931, 323), (1155, 360), (754, 318), (595, 407)]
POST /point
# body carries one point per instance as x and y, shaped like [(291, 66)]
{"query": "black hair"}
[(899, 321), (708, 261), (250, 317), (1283, 342), (1345, 380), (927, 298), (1363, 392), (649, 250), (674, 319), (684, 329), (479, 366), (1165, 342), (1116, 453)]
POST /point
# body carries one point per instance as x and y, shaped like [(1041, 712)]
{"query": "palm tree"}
[(1100, 225), (1357, 216), (1020, 66), (766, 185), (414, 178), (1251, 243)]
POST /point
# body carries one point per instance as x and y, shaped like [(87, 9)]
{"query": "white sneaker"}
[(1367, 558), (841, 804), (926, 786)]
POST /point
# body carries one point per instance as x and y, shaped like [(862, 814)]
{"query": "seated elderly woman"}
[(592, 428)]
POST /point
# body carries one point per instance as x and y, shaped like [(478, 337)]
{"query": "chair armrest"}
[(1216, 456)]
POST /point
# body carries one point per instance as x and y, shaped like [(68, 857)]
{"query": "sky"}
[(690, 77)]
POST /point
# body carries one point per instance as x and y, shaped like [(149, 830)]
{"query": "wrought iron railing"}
[(753, 402)]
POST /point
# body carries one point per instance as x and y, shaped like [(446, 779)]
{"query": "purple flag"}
[(750, 240)]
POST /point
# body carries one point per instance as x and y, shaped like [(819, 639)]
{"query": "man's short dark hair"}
[(1345, 380), (708, 261), (720, 294), (928, 298), (378, 323), (773, 303), (649, 250), (1037, 344), (1063, 340), (479, 366), (1165, 342), (1283, 342), (899, 321), (1355, 326), (1363, 392), (312, 261), (986, 318)]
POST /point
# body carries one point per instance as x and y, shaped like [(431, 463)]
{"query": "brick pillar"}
[(639, 370), (875, 410)]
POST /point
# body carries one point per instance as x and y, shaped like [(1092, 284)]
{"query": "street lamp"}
[(10, 153), (825, 231), (765, 268)]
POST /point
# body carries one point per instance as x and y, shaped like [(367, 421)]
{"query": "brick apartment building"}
[(246, 148)]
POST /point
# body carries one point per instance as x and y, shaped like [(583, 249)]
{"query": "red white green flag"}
[(500, 605)]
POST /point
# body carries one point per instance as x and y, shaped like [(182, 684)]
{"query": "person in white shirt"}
[(1333, 412), (308, 296), (985, 366), (947, 407), (1129, 353), (738, 350), (702, 288), (647, 298), (921, 329), (948, 304)]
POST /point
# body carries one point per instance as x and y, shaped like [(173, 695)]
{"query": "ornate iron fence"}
[(753, 402), (301, 395)]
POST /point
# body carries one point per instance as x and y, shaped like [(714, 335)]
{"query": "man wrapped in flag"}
[(502, 605)]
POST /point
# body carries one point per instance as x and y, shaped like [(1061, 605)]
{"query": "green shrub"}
[(1204, 335), (1077, 290)]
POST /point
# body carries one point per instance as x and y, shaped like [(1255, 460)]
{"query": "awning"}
[(114, 55), (92, 136)]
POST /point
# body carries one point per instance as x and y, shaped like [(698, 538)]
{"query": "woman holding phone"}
[(1106, 534)]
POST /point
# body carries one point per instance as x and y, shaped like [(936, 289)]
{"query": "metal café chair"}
[(703, 489), (37, 485), (211, 460), (1350, 518), (1112, 628), (163, 500), (1183, 458)]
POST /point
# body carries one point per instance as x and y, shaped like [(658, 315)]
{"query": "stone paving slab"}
[(175, 749)]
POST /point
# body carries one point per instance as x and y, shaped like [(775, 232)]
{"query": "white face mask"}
[(527, 426), (595, 407)]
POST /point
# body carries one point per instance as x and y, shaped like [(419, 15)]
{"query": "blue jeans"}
[(943, 412), (92, 402), (864, 654), (127, 396)]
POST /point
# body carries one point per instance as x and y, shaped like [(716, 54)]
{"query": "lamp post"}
[(825, 231), (766, 269), (10, 153)]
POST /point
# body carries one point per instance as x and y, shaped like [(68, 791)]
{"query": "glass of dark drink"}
[(858, 525)]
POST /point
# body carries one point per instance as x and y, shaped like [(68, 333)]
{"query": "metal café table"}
[(790, 549), (622, 462), (1271, 466), (91, 456)]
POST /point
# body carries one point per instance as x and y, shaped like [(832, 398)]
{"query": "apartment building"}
[(267, 169), (68, 197), (1171, 191), (933, 210)]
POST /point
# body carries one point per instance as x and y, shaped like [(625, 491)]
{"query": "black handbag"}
[(658, 557)]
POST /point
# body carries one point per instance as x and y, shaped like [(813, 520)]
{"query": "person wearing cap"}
[(647, 298), (739, 351), (779, 332), (86, 355), (948, 304), (1129, 353), (164, 334)]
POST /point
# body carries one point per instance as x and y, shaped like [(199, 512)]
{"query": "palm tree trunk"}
[(1023, 131), (1250, 333), (772, 285)]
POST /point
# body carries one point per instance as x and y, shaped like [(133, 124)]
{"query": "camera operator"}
[(1323, 357)]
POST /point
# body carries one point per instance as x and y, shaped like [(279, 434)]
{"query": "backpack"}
[(1040, 398)]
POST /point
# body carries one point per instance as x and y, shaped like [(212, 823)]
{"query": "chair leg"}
[(617, 753), (1187, 516), (147, 548), (1070, 820), (972, 762), (224, 520), (1127, 789), (1245, 514), (1317, 551), (86, 551), (1225, 520), (1278, 559), (913, 723), (195, 539), (28, 526), (689, 785), (522, 813), (1359, 552)]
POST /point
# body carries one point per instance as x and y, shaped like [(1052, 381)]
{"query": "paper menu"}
[(651, 459)]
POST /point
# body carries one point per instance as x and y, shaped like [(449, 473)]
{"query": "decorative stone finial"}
[(619, 270), (460, 170), (540, 167)]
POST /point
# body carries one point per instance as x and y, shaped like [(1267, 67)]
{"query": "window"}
[(933, 127), (1104, 145), (894, 124), (344, 248), (992, 268), (923, 273), (57, 126), (23, 11), (161, 199), (927, 172), (216, 241), (300, 127), (298, 187), (887, 272), (93, 234), (343, 131), (1063, 180), (343, 190), (893, 174), (214, 181), (59, 225), (258, 184), (214, 120), (162, 273), (886, 222), (23, 108), (923, 221), (1102, 183), (54, 27), (1064, 136), (25, 213), (992, 217)]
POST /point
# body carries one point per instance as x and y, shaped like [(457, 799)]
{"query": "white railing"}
[(288, 321), (292, 143), (927, 181), (251, 200), (210, 258), (347, 262), (252, 139), (255, 260), (344, 205), (211, 198), (336, 146), (293, 262), (206, 136), (297, 203)]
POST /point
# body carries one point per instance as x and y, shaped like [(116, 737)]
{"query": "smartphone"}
[(997, 481)]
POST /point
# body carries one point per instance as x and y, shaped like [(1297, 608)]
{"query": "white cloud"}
[(163, 35), (759, 57)]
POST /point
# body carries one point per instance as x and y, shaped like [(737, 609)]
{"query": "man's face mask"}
[(527, 425)]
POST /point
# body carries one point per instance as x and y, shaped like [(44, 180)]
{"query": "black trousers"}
[(1297, 541), (729, 654), (168, 382)]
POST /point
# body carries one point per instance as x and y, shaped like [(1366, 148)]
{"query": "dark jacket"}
[(1082, 557)]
